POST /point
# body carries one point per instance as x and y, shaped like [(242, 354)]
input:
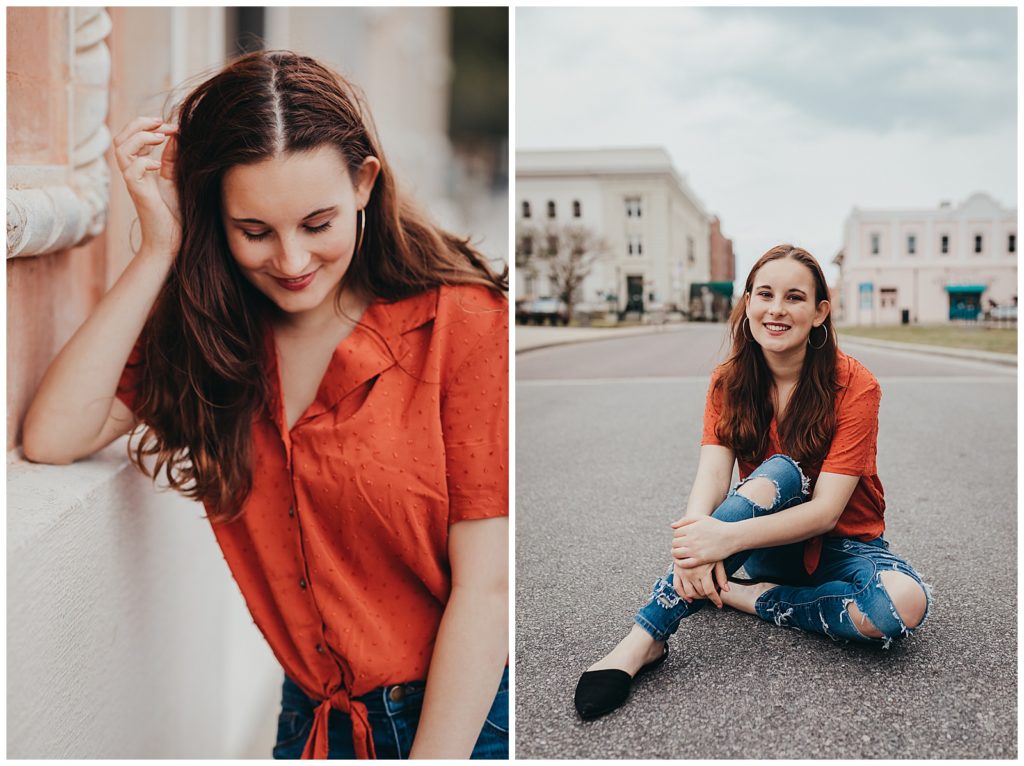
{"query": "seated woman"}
[(810, 537)]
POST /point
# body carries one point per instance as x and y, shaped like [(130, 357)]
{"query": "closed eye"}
[(264, 234)]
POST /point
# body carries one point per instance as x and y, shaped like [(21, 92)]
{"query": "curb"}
[(612, 334), (991, 357)]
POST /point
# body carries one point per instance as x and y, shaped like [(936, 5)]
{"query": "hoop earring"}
[(746, 323), (361, 221), (822, 343)]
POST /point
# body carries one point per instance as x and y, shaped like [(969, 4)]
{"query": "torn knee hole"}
[(907, 596), (861, 622), (761, 490)]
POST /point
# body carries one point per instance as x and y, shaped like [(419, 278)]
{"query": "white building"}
[(935, 265), (656, 230)]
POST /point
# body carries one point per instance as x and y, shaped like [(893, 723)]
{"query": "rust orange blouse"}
[(852, 452), (341, 550)]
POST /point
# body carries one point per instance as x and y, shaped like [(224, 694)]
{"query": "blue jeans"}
[(848, 573), (394, 712)]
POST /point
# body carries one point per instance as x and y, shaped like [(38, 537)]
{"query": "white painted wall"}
[(126, 635)]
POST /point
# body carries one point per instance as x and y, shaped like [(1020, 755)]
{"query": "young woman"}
[(810, 537), (326, 371)]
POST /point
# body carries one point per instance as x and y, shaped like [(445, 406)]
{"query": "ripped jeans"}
[(848, 573)]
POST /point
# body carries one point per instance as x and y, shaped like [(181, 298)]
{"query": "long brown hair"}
[(201, 378), (746, 383)]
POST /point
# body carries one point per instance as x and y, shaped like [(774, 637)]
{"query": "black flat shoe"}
[(601, 691)]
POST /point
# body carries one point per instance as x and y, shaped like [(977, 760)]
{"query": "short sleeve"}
[(712, 411), (474, 414), (855, 443)]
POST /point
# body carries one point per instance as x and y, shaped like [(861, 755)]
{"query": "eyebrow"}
[(791, 290), (306, 218)]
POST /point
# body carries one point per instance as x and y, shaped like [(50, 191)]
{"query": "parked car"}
[(543, 310)]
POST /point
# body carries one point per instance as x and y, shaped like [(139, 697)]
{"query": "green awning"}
[(966, 288)]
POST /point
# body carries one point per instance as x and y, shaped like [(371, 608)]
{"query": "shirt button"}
[(302, 583), (320, 648), (291, 511), (397, 693)]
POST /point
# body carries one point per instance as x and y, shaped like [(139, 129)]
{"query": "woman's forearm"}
[(704, 498), (76, 393), (792, 525), (469, 656)]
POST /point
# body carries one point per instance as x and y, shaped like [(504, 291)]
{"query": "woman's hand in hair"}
[(150, 180), (702, 540), (699, 582)]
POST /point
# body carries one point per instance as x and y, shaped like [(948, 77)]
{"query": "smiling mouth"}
[(298, 282), (776, 327)]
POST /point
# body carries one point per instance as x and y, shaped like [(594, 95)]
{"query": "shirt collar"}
[(376, 344)]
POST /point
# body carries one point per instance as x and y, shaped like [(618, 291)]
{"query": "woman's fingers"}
[(138, 145), (139, 123), (169, 157), (721, 576), (135, 172), (688, 592), (708, 585), (682, 522)]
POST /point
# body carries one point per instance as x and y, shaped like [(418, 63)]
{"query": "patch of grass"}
[(980, 338)]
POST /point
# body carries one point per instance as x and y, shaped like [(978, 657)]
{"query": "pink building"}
[(928, 265)]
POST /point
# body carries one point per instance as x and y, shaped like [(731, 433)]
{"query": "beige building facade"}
[(952, 262), (655, 230)]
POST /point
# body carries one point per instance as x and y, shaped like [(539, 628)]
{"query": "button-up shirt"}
[(341, 549)]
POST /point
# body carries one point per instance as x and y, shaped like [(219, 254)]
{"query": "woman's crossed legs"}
[(859, 592)]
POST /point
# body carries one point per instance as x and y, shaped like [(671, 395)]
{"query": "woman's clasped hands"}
[(700, 545)]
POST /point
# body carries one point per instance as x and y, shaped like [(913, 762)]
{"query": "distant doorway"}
[(888, 312), (635, 294), (964, 305)]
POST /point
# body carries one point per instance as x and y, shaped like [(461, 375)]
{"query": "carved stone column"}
[(50, 209)]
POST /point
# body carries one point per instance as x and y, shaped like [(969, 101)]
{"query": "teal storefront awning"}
[(966, 288)]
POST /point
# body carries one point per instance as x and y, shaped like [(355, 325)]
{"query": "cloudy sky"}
[(783, 119)]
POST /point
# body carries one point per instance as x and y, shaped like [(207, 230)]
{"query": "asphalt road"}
[(607, 441)]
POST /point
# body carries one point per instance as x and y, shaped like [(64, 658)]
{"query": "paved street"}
[(607, 441)]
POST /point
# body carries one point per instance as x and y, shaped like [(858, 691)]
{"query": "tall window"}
[(526, 209), (634, 246), (1011, 245), (945, 244), (911, 244), (691, 256), (875, 244), (551, 208), (552, 244), (577, 210), (633, 208), (977, 243), (527, 244)]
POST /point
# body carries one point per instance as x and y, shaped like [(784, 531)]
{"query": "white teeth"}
[(777, 327)]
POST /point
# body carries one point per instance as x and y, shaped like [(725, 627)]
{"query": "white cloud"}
[(783, 119)]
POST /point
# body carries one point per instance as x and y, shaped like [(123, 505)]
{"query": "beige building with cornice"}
[(656, 229), (928, 265)]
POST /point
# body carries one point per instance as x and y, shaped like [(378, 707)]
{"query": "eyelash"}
[(263, 236), (763, 294)]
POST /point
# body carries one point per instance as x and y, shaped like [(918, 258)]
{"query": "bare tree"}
[(566, 252)]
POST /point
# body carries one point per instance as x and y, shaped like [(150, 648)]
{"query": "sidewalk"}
[(922, 348), (531, 338)]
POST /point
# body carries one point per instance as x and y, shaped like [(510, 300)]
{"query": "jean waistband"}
[(393, 698)]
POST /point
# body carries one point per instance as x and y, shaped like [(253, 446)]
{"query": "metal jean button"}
[(397, 693)]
